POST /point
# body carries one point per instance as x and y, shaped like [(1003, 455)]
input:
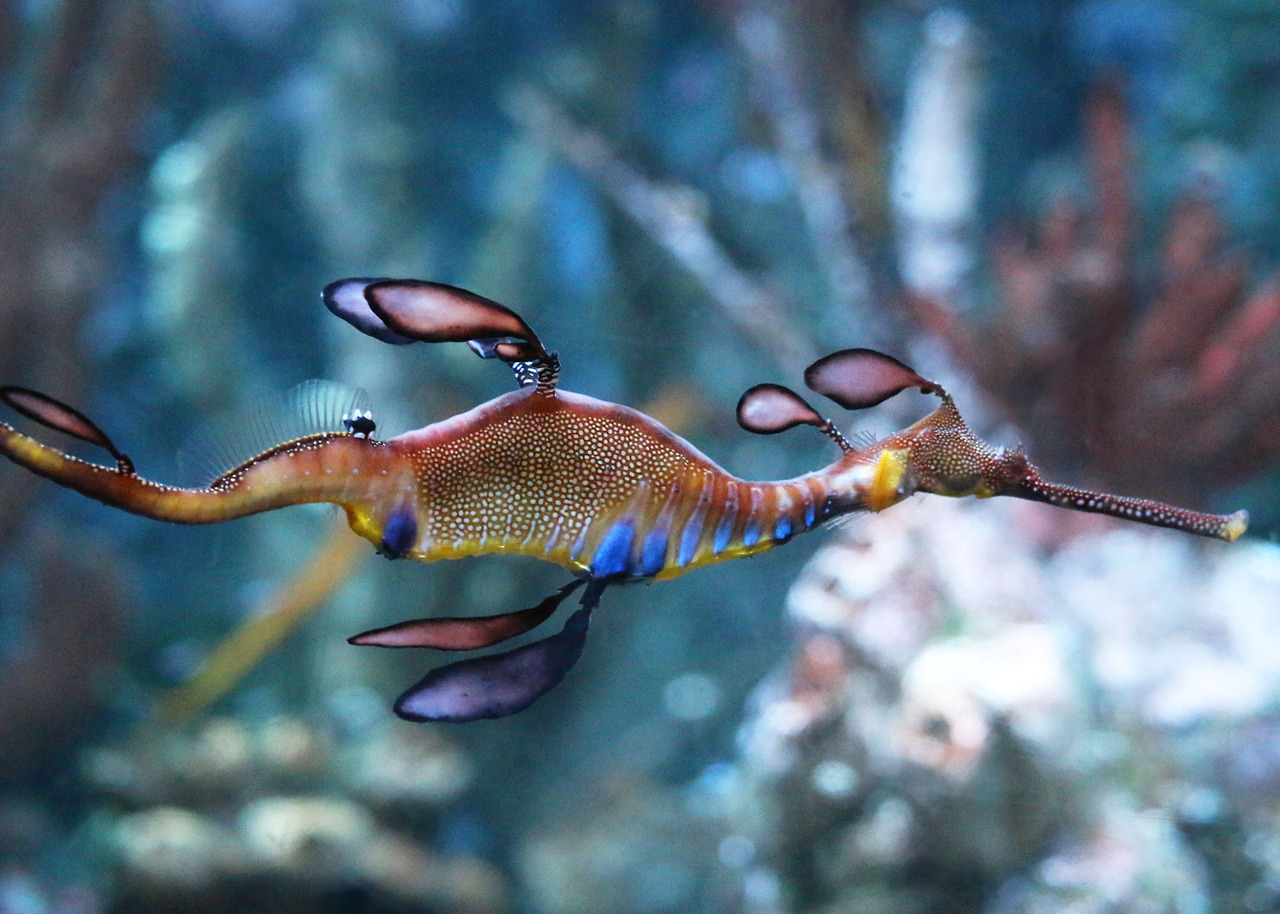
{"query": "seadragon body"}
[(599, 489)]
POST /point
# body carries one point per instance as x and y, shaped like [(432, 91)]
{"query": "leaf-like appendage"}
[(465, 634), (437, 313), (58, 416), (499, 684), (859, 378), (346, 299), (767, 409)]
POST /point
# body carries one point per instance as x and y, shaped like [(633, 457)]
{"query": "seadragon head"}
[(940, 454)]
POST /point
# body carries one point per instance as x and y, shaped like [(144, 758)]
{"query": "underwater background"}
[(1068, 212)]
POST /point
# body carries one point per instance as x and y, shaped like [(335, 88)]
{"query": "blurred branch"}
[(67, 142), (935, 180), (768, 39), (66, 139), (270, 622), (671, 219)]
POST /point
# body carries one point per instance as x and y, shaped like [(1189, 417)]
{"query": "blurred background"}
[(1068, 212)]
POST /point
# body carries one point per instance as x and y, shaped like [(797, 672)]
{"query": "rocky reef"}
[(989, 710)]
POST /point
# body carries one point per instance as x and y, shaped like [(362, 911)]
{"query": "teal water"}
[(984, 707)]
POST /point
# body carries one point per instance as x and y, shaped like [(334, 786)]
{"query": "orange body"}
[(597, 488)]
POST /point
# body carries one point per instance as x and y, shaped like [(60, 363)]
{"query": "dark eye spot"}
[(359, 424), (400, 533)]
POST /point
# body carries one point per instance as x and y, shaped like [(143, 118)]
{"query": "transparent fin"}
[(313, 407)]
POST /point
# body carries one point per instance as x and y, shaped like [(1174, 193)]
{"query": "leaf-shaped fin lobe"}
[(465, 634), (767, 409), (859, 378), (345, 298), (58, 416), (499, 684), (437, 313)]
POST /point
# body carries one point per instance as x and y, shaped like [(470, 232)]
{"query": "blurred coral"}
[(65, 148), (279, 814), (945, 730), (631, 846), (1165, 385), (68, 142)]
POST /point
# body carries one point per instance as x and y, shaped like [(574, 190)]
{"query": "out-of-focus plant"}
[(1157, 370), (69, 119)]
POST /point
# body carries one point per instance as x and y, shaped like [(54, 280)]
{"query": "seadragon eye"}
[(359, 424)]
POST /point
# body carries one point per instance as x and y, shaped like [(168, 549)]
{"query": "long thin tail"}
[(322, 468), (1158, 514)]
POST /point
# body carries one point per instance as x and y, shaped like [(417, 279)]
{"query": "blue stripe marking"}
[(576, 549), (653, 555), (724, 529), (751, 535), (400, 533), (810, 514), (783, 530), (613, 555), (723, 532), (689, 538)]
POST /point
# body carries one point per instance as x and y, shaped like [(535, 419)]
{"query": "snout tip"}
[(1235, 525)]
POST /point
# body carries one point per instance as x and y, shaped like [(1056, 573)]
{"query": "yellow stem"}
[(278, 616)]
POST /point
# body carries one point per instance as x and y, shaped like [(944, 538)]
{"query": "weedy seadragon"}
[(600, 489)]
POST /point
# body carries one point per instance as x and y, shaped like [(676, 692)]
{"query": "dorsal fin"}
[(313, 407)]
